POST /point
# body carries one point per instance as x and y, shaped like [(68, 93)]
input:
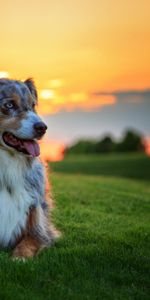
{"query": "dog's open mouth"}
[(29, 147)]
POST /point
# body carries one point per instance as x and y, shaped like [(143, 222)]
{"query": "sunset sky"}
[(90, 61)]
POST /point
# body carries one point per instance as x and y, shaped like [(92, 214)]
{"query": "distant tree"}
[(106, 145), (82, 147), (132, 142)]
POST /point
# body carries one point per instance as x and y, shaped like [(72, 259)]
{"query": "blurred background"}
[(91, 65)]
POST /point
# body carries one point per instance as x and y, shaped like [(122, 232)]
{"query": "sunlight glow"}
[(147, 143), (55, 83), (81, 100), (78, 97), (47, 94), (4, 74), (51, 150)]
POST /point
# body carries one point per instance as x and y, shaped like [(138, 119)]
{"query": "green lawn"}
[(129, 166), (104, 250)]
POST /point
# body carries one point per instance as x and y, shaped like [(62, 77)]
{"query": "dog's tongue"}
[(31, 147)]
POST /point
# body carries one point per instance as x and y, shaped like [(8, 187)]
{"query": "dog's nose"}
[(40, 128)]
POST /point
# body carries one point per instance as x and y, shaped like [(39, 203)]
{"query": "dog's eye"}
[(9, 105)]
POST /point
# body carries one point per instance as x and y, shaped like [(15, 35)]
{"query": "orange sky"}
[(73, 48)]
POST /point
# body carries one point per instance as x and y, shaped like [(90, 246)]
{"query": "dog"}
[(25, 224)]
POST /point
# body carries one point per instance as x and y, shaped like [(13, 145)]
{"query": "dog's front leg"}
[(38, 234)]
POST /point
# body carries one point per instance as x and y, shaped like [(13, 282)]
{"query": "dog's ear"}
[(31, 86)]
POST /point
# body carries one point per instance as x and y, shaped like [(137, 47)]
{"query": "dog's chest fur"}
[(19, 190)]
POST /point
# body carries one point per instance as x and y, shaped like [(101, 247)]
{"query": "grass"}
[(104, 250), (129, 166)]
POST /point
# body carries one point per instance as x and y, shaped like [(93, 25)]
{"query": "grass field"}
[(129, 166), (104, 249)]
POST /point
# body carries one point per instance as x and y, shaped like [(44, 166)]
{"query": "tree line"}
[(130, 142)]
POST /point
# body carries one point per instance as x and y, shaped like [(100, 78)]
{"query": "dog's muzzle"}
[(39, 128)]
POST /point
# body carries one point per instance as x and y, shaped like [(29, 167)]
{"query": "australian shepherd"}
[(25, 224)]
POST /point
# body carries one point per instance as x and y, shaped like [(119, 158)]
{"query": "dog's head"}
[(20, 126)]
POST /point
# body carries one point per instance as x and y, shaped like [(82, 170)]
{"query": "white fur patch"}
[(26, 129), (14, 199)]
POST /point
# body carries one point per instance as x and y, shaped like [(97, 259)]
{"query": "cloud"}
[(52, 102), (130, 96), (70, 126)]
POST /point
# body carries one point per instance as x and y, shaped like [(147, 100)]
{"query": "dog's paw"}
[(19, 259), (18, 255), (26, 249)]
